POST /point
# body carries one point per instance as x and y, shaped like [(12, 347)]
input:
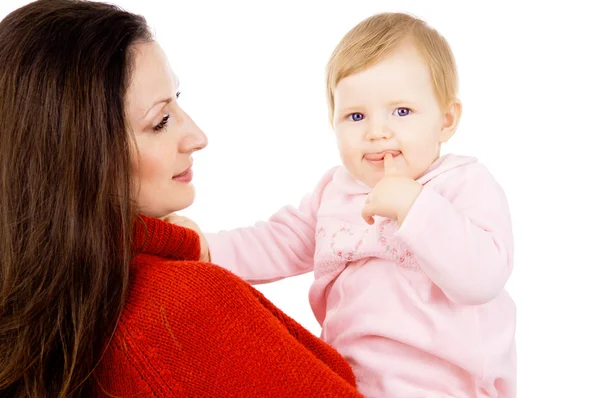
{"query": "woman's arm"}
[(212, 334)]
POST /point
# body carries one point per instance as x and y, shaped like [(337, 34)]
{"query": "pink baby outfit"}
[(418, 311)]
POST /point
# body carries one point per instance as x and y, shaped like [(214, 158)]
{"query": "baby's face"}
[(391, 107)]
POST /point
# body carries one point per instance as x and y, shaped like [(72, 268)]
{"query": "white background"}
[(252, 77)]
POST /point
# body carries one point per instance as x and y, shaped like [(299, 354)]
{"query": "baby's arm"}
[(461, 233), (270, 250)]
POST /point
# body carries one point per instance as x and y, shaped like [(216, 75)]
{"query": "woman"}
[(99, 295)]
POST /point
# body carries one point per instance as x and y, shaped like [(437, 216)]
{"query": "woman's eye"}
[(401, 111), (163, 123)]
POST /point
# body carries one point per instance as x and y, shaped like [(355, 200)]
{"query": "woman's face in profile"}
[(165, 135)]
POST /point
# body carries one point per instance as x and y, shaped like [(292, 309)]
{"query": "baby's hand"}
[(187, 223), (393, 196)]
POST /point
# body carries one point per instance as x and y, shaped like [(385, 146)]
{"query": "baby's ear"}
[(451, 120)]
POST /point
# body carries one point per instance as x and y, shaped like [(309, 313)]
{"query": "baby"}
[(410, 250)]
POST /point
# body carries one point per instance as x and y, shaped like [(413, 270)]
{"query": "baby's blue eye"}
[(402, 111), (357, 117)]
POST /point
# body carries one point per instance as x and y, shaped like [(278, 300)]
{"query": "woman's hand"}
[(187, 223)]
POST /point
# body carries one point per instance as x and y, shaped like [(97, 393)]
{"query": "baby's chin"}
[(371, 177), (367, 177), (365, 172)]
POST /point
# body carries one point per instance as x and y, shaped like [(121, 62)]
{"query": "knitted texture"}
[(192, 329)]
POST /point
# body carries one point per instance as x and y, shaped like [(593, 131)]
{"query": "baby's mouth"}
[(378, 156)]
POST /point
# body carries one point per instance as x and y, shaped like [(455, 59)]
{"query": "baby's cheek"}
[(350, 159), (419, 159)]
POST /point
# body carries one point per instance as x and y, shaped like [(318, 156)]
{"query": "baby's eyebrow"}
[(350, 109), (401, 102)]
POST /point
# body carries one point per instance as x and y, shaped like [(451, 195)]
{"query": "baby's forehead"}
[(401, 70)]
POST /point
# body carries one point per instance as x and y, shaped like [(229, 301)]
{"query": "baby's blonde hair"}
[(377, 37)]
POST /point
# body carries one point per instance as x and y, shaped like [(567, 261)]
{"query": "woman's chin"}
[(176, 202), (185, 198)]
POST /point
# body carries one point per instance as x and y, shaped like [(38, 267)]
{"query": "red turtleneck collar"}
[(160, 238)]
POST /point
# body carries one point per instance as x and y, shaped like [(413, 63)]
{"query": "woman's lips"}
[(185, 177)]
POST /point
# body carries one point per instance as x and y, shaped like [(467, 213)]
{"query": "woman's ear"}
[(450, 120)]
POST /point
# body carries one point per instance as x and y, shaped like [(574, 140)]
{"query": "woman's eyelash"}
[(163, 123)]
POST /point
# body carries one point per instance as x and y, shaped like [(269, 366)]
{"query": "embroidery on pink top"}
[(398, 255), (345, 230)]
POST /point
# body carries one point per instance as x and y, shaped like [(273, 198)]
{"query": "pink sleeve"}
[(461, 233), (278, 248)]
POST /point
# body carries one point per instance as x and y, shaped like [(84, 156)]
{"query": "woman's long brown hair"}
[(66, 209)]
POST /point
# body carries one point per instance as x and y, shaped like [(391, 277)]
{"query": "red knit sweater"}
[(192, 329)]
